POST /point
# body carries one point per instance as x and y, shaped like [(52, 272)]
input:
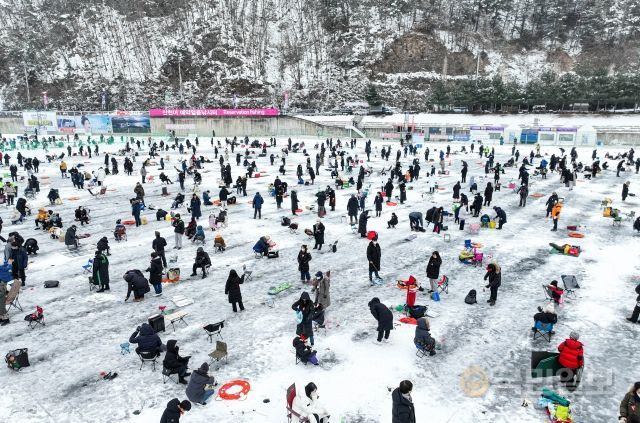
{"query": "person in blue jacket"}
[(206, 198), (136, 207), (257, 205), (195, 207)]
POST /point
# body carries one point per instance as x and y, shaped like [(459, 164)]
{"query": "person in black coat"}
[(155, 273), (551, 201), (384, 317), (352, 209), (625, 190), (374, 255), (103, 245), (495, 279), (433, 270), (403, 192), (303, 264), (305, 306), (362, 224), (136, 283), (477, 205), (202, 261), (101, 271), (488, 194), (388, 189), (294, 202), (318, 235), (636, 310), (501, 215), (402, 410), (303, 351), (232, 289), (172, 361), (149, 343), (158, 245), (393, 221), (464, 202), (174, 410), (456, 190), (378, 204)]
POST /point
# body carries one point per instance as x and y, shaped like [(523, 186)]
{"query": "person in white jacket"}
[(100, 176), (306, 404)]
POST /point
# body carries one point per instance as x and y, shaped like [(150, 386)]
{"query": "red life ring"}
[(575, 235), (243, 384)]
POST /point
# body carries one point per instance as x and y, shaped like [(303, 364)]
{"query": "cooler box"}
[(157, 322)]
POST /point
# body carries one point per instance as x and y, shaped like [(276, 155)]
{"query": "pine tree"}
[(372, 96)]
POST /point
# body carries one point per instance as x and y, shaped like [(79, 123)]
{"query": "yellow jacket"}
[(42, 214)]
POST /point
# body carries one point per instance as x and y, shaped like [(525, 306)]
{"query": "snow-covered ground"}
[(84, 329)]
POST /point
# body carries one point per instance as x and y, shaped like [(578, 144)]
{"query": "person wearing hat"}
[(197, 388), (174, 410), (571, 354), (178, 231)]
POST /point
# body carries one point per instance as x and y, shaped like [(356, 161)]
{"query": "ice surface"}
[(84, 330)]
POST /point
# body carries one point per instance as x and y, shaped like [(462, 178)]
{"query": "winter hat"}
[(549, 308), (204, 368), (185, 405), (574, 335), (319, 275), (554, 283), (154, 255)]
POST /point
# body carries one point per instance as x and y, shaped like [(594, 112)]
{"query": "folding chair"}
[(167, 375), (443, 284), (547, 293), (570, 285), (150, 360), (36, 318), (543, 330), (291, 395), (88, 268), (220, 352), (12, 299), (214, 329)]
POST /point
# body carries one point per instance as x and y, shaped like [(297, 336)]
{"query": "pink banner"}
[(213, 112)]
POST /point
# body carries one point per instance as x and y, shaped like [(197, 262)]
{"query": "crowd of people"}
[(345, 171)]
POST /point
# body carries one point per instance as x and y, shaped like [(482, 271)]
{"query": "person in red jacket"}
[(571, 355)]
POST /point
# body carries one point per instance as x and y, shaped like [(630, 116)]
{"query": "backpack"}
[(417, 311), (285, 221), (31, 245), (471, 297), (273, 254)]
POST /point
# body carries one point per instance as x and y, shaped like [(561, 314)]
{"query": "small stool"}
[(124, 348)]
